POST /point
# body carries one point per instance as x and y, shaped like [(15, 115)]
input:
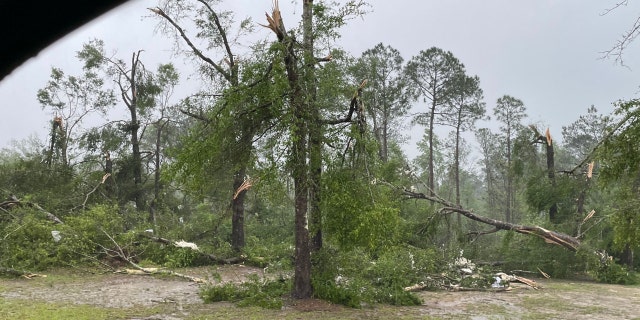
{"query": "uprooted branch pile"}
[(464, 275)]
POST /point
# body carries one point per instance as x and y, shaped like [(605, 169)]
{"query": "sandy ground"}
[(558, 299)]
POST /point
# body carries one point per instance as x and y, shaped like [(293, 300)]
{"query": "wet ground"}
[(559, 299)]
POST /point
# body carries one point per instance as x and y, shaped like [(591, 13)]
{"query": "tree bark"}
[(315, 130), (246, 130), (551, 169), (431, 179), (109, 184), (299, 152), (508, 215), (135, 143)]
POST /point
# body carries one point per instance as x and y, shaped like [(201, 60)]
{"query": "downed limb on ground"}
[(137, 269), (505, 278), (18, 273), (209, 256)]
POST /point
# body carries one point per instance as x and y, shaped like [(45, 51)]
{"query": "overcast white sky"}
[(544, 52)]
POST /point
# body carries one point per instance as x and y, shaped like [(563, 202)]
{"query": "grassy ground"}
[(65, 295)]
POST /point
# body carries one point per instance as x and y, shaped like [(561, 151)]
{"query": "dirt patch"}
[(557, 300), (113, 291), (122, 290)]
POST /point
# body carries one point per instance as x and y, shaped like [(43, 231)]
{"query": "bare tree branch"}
[(616, 6), (617, 51), (193, 47)]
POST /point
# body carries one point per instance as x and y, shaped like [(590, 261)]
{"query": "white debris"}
[(466, 270), (497, 284), (56, 235), (184, 244)]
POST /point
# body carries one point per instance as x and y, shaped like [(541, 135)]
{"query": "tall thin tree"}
[(509, 111), (432, 74)]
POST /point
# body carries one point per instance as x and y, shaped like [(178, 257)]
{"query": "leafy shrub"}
[(182, 257), (86, 238), (255, 292), (352, 278), (27, 242), (359, 213), (615, 274), (261, 253), (99, 234), (225, 292), (530, 253), (606, 270)]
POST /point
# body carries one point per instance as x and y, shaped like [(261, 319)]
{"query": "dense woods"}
[(289, 156)]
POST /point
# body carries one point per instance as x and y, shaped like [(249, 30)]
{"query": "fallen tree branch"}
[(147, 271), (86, 198), (549, 236), (18, 273), (13, 202), (505, 278), (209, 256), (150, 271)]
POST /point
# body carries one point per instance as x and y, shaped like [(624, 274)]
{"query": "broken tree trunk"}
[(547, 141)]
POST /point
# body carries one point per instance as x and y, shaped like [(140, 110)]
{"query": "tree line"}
[(296, 141)]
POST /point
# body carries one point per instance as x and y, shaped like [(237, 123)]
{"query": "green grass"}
[(17, 309)]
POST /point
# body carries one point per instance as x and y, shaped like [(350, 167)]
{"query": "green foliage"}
[(530, 253), (541, 194), (268, 252), (359, 213), (92, 54), (254, 292), (87, 238), (330, 16), (97, 234), (603, 268), (27, 243), (353, 278), (624, 220), (29, 178), (620, 153), (181, 257), (609, 271), (620, 173)]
